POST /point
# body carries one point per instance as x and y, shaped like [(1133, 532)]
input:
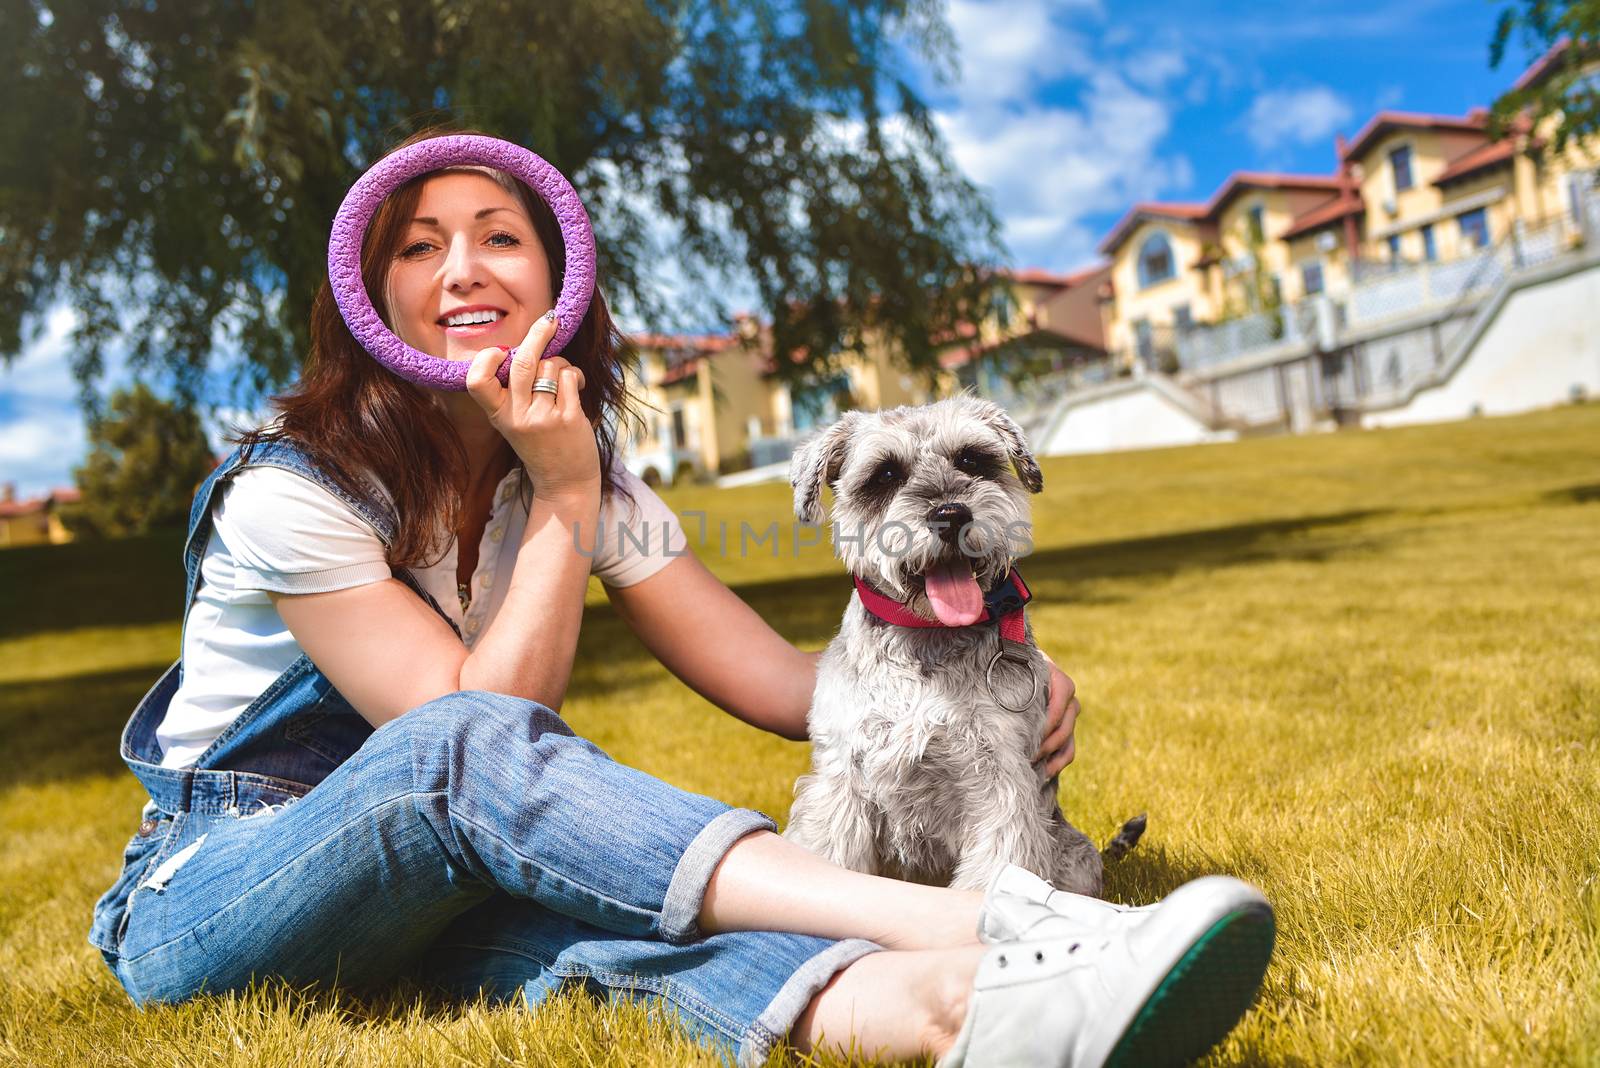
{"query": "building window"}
[(1311, 277), (1258, 226), (680, 429), (1183, 318), (1430, 248), (1394, 248), (1144, 340), (1155, 260), (1474, 227), (1400, 164)]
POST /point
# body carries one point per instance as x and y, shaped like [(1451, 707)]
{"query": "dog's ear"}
[(816, 461), (1016, 443)]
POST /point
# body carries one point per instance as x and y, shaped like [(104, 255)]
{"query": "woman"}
[(356, 767)]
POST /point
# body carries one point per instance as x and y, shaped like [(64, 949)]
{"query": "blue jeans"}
[(478, 842)]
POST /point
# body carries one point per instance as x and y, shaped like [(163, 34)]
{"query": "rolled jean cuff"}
[(680, 909), (778, 1018)]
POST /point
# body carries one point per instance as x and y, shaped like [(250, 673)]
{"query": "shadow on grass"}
[(1210, 548), (68, 727), (1151, 871), (807, 609), (1580, 494), (71, 724)]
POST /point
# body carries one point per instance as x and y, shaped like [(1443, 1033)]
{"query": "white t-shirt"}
[(277, 530)]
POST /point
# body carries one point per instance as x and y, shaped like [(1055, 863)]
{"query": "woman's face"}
[(469, 249)]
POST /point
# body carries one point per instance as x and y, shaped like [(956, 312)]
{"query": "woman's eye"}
[(416, 248), (508, 237)]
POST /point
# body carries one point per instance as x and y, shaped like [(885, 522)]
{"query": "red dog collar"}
[(1003, 603)]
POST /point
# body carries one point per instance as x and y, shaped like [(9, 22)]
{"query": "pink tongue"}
[(954, 594)]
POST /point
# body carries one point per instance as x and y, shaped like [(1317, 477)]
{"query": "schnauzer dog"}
[(926, 716)]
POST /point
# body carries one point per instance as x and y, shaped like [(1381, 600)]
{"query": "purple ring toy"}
[(387, 175)]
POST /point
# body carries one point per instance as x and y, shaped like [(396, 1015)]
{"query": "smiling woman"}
[(353, 776), (440, 237)]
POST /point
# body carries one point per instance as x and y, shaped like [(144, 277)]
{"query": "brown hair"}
[(356, 418)]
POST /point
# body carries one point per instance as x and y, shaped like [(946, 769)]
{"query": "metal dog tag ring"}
[(1033, 677), (387, 175)]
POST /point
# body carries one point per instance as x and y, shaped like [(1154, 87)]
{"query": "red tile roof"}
[(1492, 154), (1042, 277), (1544, 66), (690, 342), (679, 372), (1241, 180), (1472, 122), (13, 509), (1236, 182), (1324, 214), (1148, 209)]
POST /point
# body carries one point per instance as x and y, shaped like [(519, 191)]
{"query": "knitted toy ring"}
[(387, 175)]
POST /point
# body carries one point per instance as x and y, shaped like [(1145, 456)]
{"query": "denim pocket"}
[(139, 857), (332, 729), (165, 835)]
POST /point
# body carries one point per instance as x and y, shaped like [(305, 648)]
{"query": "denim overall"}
[(474, 842)]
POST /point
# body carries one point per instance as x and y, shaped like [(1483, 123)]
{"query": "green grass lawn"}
[(1361, 670)]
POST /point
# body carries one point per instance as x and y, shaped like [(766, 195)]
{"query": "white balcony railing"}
[(1384, 294)]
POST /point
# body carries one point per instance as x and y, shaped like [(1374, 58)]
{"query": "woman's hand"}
[(1061, 716), (550, 432)]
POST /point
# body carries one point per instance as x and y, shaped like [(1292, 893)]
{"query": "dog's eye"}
[(887, 474), (975, 462)]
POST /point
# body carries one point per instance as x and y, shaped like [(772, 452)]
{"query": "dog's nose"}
[(948, 519)]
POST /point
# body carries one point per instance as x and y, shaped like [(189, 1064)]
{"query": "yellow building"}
[(684, 432), (1248, 257), (1157, 285), (719, 406), (1435, 187), (1049, 322), (1174, 266), (1410, 188), (36, 521), (713, 404)]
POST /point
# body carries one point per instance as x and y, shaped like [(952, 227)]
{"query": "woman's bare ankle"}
[(894, 1004), (948, 991)]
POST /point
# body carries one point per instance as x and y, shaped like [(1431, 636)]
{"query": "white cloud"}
[(1007, 49), (1280, 117), (1155, 67), (39, 449), (42, 435), (1048, 168), (1059, 120)]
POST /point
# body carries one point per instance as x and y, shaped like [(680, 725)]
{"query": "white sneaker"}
[(1020, 905), (1159, 990)]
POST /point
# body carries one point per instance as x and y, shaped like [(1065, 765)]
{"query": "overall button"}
[(146, 828)]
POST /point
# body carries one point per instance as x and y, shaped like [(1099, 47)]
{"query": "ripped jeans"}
[(476, 843)]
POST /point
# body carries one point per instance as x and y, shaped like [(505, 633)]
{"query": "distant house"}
[(720, 406), (1049, 322), (36, 521), (1409, 188)]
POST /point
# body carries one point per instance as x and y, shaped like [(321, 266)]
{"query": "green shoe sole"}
[(1204, 995)]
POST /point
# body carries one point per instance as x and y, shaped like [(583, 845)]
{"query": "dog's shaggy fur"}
[(917, 771)]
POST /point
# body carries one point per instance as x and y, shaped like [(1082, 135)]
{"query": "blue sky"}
[(1066, 112)]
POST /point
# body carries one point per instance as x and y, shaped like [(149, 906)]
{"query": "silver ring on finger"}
[(546, 385)]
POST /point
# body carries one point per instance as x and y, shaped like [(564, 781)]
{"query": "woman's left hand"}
[(1061, 716)]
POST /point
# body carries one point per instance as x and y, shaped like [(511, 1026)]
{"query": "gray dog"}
[(926, 715)]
